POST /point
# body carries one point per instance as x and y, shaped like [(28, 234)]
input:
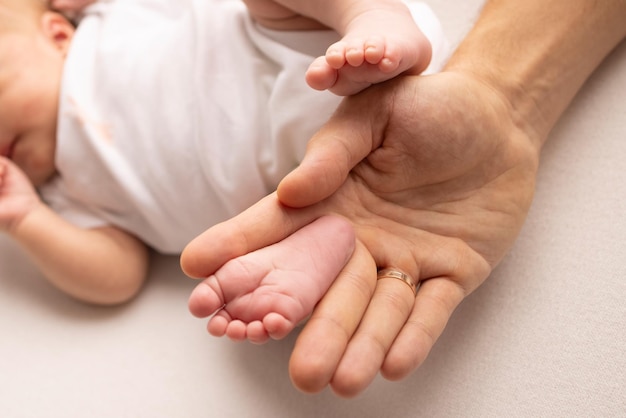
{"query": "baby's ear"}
[(58, 29)]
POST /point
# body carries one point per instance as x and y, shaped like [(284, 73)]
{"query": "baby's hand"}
[(18, 197), (70, 7)]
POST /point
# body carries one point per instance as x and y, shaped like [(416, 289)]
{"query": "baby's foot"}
[(266, 293), (378, 45)]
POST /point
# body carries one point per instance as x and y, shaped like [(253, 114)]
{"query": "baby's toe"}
[(206, 298), (236, 330), (218, 324), (336, 55), (320, 75), (277, 326), (374, 50), (256, 332), (355, 54)]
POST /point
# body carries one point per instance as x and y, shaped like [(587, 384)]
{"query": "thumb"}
[(355, 129)]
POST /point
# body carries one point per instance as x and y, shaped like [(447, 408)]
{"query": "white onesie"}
[(178, 114)]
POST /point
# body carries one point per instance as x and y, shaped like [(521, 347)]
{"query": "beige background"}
[(544, 336)]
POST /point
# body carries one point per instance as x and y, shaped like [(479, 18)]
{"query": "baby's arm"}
[(74, 6), (71, 9), (102, 266)]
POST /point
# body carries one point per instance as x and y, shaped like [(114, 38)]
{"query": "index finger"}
[(263, 224)]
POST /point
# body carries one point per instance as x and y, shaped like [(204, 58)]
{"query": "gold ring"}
[(394, 273)]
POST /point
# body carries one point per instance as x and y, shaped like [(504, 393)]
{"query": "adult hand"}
[(436, 175)]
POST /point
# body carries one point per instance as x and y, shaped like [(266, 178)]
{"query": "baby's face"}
[(31, 64)]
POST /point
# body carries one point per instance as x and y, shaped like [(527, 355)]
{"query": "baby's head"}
[(33, 44), (15, 13)]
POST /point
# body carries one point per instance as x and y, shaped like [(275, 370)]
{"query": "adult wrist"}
[(499, 71), (538, 54), (513, 101)]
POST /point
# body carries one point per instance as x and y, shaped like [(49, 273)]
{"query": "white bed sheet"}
[(544, 336)]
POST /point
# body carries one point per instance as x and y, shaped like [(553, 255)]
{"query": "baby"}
[(379, 38), (156, 119)]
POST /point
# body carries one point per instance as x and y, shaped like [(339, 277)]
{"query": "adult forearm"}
[(539, 53)]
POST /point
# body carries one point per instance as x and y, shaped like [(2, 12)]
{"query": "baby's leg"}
[(380, 39), (379, 43), (266, 293), (71, 7), (278, 15)]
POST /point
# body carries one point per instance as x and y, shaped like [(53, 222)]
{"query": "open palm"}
[(435, 182)]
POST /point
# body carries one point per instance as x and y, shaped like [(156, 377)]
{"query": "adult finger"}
[(355, 129), (323, 341), (365, 354), (435, 302), (458, 273), (263, 224), (399, 328)]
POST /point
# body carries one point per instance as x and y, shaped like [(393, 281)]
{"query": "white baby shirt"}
[(176, 115)]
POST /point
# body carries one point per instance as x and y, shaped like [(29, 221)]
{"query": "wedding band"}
[(394, 273)]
